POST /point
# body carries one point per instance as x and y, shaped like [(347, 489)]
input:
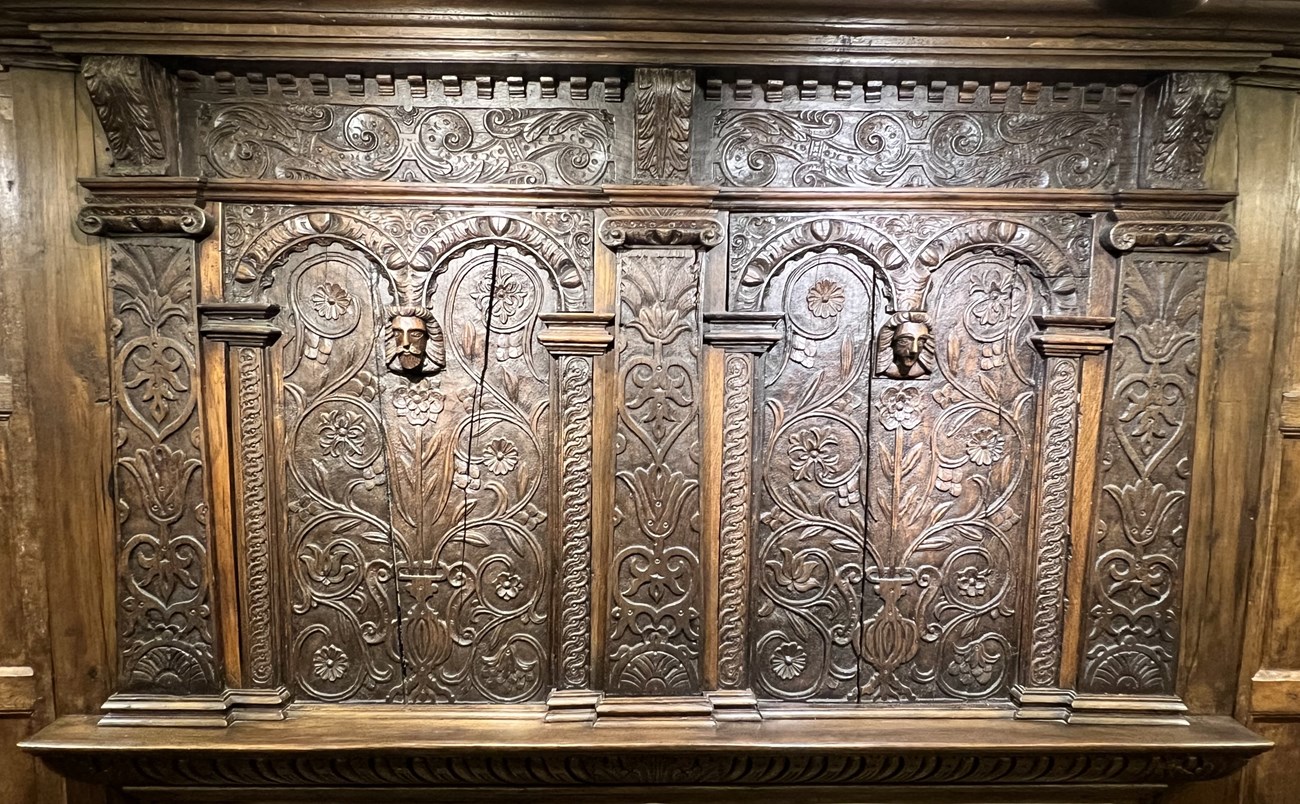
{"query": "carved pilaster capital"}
[(743, 332), (107, 219), (1125, 234), (239, 323), (1071, 335), (136, 107), (576, 333), (660, 228)]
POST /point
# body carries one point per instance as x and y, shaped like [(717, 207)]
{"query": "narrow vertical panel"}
[(654, 632), (735, 533), (165, 629), (576, 407), (255, 516), (1134, 589)]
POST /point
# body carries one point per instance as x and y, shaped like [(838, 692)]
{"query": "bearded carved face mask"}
[(415, 342), (905, 347)]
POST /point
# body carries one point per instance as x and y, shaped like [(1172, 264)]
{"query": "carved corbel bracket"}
[(1186, 116), (658, 228), (123, 219), (239, 323), (576, 333), (1125, 233), (1072, 336), (136, 107), (754, 332)]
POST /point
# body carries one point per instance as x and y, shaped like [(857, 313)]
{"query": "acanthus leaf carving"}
[(133, 100), (1186, 118), (663, 124)]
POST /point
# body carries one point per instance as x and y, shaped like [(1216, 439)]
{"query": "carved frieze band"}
[(260, 139), (574, 338), (134, 102), (154, 220), (246, 328), (165, 621), (1187, 112), (663, 124), (1135, 576)]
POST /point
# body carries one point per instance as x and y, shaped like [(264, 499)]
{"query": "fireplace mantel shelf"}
[(373, 749)]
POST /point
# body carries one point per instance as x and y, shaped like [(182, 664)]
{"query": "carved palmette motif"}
[(1131, 629), (165, 619)]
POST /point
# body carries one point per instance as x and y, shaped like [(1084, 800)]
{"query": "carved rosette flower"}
[(993, 299), (419, 403), (825, 299), (329, 663), (500, 456), (812, 453), (900, 408), (508, 586), (972, 581), (789, 660), (985, 446), (510, 295), (342, 432), (331, 301)]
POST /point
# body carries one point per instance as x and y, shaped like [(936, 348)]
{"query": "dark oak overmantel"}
[(359, 751)]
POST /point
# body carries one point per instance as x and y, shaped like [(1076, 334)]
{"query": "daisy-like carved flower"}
[(789, 660), (900, 407), (985, 446), (812, 453), (331, 301), (508, 586), (500, 456), (329, 662), (825, 299)]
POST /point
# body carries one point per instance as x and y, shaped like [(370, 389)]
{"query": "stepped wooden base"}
[(211, 711)]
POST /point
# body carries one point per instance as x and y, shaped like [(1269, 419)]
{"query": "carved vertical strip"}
[(1134, 588), (654, 633), (165, 630), (663, 124), (1054, 505), (735, 532), (575, 498), (254, 508)]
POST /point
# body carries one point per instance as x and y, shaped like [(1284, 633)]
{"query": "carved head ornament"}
[(905, 346), (415, 343)]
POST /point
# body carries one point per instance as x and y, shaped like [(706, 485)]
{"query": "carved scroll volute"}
[(1177, 134), (247, 330), (574, 340), (135, 103), (1064, 342), (742, 337), (1132, 585)]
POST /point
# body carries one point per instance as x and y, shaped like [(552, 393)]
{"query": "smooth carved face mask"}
[(411, 335), (909, 341)]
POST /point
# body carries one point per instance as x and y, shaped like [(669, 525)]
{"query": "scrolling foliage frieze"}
[(983, 137), (257, 139)]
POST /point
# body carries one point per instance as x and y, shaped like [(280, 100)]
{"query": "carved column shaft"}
[(575, 339), (1063, 341)]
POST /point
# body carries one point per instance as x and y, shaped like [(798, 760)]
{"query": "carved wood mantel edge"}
[(327, 748)]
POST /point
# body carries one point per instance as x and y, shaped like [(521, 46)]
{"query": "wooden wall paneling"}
[(57, 275), (26, 697), (1269, 696)]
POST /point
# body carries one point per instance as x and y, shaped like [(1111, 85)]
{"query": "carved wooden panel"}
[(895, 449), (1131, 637), (418, 442), (654, 640), (165, 622)]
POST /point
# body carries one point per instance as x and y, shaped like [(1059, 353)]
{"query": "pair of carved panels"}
[(479, 454)]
